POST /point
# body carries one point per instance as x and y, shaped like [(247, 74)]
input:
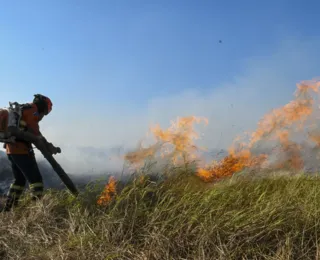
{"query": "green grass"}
[(178, 218)]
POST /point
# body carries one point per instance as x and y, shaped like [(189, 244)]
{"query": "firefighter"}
[(21, 154)]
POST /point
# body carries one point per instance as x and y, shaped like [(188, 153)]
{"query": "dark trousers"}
[(24, 168)]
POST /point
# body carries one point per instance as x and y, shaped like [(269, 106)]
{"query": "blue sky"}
[(131, 51), (116, 66)]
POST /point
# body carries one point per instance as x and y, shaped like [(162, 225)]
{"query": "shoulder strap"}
[(25, 106)]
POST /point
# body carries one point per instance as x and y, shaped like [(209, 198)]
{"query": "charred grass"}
[(176, 218)]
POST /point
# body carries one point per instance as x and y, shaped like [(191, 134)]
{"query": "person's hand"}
[(53, 149), (56, 150)]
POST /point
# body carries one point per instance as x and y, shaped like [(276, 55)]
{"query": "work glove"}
[(52, 149)]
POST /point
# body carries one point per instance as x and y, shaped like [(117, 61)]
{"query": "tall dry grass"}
[(177, 218)]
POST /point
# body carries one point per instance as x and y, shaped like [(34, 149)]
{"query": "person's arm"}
[(34, 128)]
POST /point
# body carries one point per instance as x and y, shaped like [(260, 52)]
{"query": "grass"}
[(179, 217)]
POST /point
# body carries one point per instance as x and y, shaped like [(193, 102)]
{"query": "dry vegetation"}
[(176, 218), (190, 213)]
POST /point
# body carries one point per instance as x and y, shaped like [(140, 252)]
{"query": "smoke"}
[(91, 141)]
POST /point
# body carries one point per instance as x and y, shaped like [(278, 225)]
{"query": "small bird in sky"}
[(220, 41)]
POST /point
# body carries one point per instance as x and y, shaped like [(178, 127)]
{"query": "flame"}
[(176, 142), (229, 165), (108, 193), (280, 125), (141, 154), (276, 125), (296, 111), (292, 150), (315, 137)]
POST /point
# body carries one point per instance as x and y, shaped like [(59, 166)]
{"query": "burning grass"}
[(177, 218), (282, 126), (191, 213)]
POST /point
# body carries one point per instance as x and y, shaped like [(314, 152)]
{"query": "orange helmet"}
[(44, 102)]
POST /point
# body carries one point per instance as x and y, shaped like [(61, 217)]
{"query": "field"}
[(179, 217)]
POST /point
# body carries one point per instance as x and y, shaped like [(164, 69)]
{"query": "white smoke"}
[(232, 108)]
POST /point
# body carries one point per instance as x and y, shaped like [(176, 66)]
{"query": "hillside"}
[(179, 218)]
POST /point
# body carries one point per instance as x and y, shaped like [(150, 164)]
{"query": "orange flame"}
[(279, 125), (176, 142), (274, 126), (108, 193), (229, 165)]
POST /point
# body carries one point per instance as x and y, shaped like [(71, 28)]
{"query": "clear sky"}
[(113, 67)]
